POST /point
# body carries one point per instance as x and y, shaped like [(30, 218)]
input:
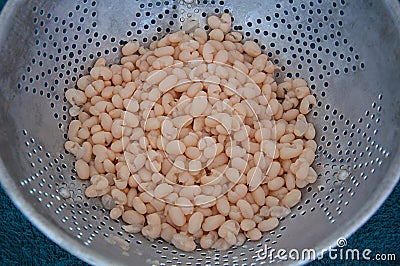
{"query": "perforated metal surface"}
[(351, 66)]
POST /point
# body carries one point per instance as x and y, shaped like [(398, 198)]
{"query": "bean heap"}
[(192, 139)]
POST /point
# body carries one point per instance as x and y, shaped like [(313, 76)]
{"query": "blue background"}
[(22, 244)]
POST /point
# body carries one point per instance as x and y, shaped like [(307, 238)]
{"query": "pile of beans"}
[(192, 139)]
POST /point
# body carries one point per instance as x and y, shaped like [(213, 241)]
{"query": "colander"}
[(348, 51)]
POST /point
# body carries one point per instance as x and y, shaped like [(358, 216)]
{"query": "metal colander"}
[(349, 52)]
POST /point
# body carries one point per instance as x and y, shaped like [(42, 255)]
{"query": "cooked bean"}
[(214, 22), (204, 201), (271, 201), (101, 72), (175, 147), (268, 225), (84, 81), (232, 174), (259, 196), (115, 213), (278, 211), (213, 222), (138, 205), (76, 97), (223, 205), (254, 234), (234, 36), (221, 56), (153, 227), (130, 48), (131, 119), (119, 196), (245, 209), (254, 178), (176, 215), (195, 222), (276, 183), (290, 181), (167, 232), (133, 217), (82, 169), (168, 83), (199, 104), (183, 242), (310, 132), (307, 103), (163, 51), (247, 224), (292, 198), (228, 231), (252, 48), (216, 34), (163, 190)]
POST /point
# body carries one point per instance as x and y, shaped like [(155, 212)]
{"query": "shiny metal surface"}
[(347, 50)]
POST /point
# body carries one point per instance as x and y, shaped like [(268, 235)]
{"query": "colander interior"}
[(348, 51)]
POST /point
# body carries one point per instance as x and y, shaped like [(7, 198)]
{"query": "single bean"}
[(76, 97), (310, 132), (302, 92), (229, 230), (115, 213), (276, 183), (163, 190), (82, 169), (183, 242), (247, 224), (105, 121), (252, 48), (164, 51), (292, 198), (232, 174), (226, 22), (119, 196), (101, 72), (130, 48), (254, 178), (168, 83), (259, 196), (131, 119), (278, 211), (234, 36), (156, 76), (214, 22), (133, 217), (200, 35), (167, 232), (195, 222), (138, 205), (245, 209), (307, 103), (204, 201), (254, 234), (213, 222), (268, 225), (176, 215), (84, 81), (153, 227), (223, 206), (216, 34), (290, 181)]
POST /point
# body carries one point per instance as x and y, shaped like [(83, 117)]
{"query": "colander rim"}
[(89, 255)]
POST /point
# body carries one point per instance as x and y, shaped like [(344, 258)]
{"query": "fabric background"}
[(22, 244)]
